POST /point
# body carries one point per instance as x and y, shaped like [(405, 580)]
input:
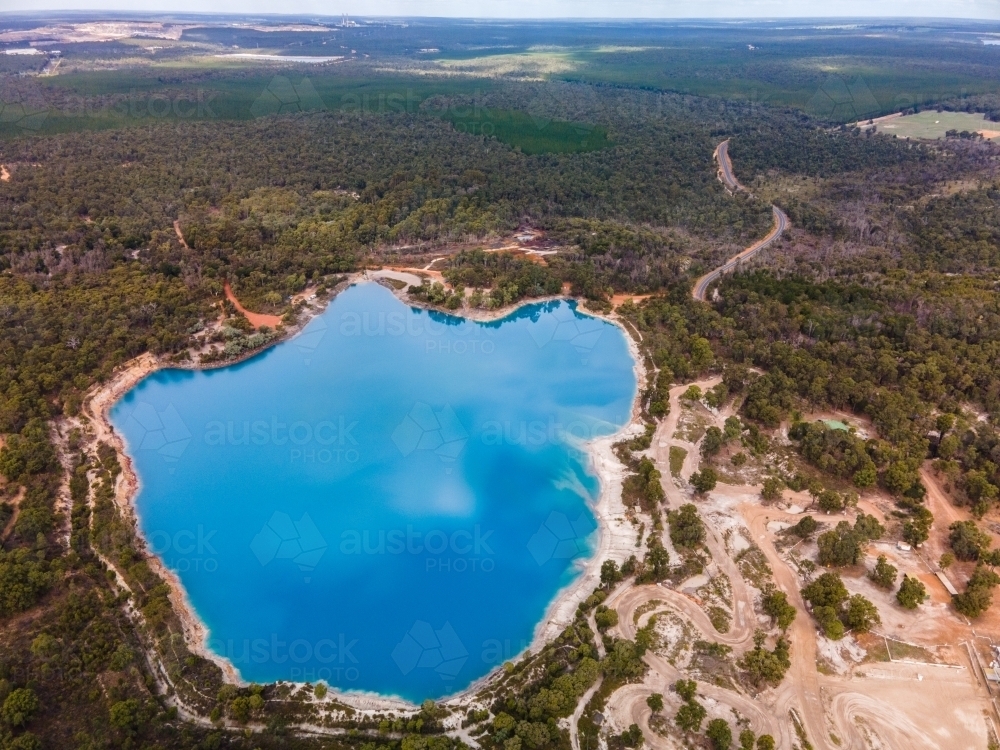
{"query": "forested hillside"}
[(115, 242)]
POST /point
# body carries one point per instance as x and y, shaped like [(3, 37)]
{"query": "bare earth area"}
[(256, 319), (916, 682)]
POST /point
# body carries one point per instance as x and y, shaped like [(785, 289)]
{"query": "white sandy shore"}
[(616, 537)]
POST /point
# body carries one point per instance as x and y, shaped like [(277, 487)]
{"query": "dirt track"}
[(909, 704), (800, 689), (256, 319)]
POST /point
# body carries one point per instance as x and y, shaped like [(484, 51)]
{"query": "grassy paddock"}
[(934, 125)]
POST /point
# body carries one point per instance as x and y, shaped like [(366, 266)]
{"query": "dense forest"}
[(117, 241)]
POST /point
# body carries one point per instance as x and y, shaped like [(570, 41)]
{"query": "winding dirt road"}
[(801, 684), (799, 691)]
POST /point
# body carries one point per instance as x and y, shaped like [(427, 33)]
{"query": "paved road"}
[(780, 225), (726, 167)]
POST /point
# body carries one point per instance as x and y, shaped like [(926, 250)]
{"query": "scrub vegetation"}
[(120, 229)]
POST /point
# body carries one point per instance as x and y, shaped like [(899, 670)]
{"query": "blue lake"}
[(388, 502)]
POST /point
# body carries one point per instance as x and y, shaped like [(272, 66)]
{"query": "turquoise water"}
[(388, 502)]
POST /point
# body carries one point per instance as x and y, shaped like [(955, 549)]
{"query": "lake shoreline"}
[(615, 538)]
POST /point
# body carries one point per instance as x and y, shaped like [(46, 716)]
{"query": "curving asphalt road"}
[(780, 225), (726, 167)]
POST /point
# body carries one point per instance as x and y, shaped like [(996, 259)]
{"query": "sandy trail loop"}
[(739, 638), (800, 688), (628, 704), (4, 174), (857, 715), (663, 674)]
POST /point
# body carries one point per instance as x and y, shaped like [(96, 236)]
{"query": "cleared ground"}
[(935, 124), (916, 681)]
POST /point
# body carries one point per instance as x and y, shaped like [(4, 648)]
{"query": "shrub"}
[(610, 575), (978, 594), (766, 667), (860, 615), (686, 527), (771, 490), (840, 546), (967, 541), (19, 707), (605, 618), (827, 590), (686, 689), (705, 480), (828, 620), (868, 528), (690, 716), (911, 593), (693, 393), (719, 734), (713, 441), (884, 574), (804, 528), (830, 501), (775, 604)]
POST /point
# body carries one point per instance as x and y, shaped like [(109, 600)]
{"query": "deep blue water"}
[(389, 501)]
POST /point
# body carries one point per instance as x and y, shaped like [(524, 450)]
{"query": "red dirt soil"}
[(256, 319)]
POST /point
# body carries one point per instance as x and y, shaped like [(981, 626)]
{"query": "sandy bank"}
[(616, 536)]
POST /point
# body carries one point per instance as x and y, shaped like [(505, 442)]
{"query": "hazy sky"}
[(985, 9)]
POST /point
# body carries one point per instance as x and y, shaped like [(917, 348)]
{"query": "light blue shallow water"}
[(388, 502)]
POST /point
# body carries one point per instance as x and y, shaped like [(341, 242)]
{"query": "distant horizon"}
[(556, 10)]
